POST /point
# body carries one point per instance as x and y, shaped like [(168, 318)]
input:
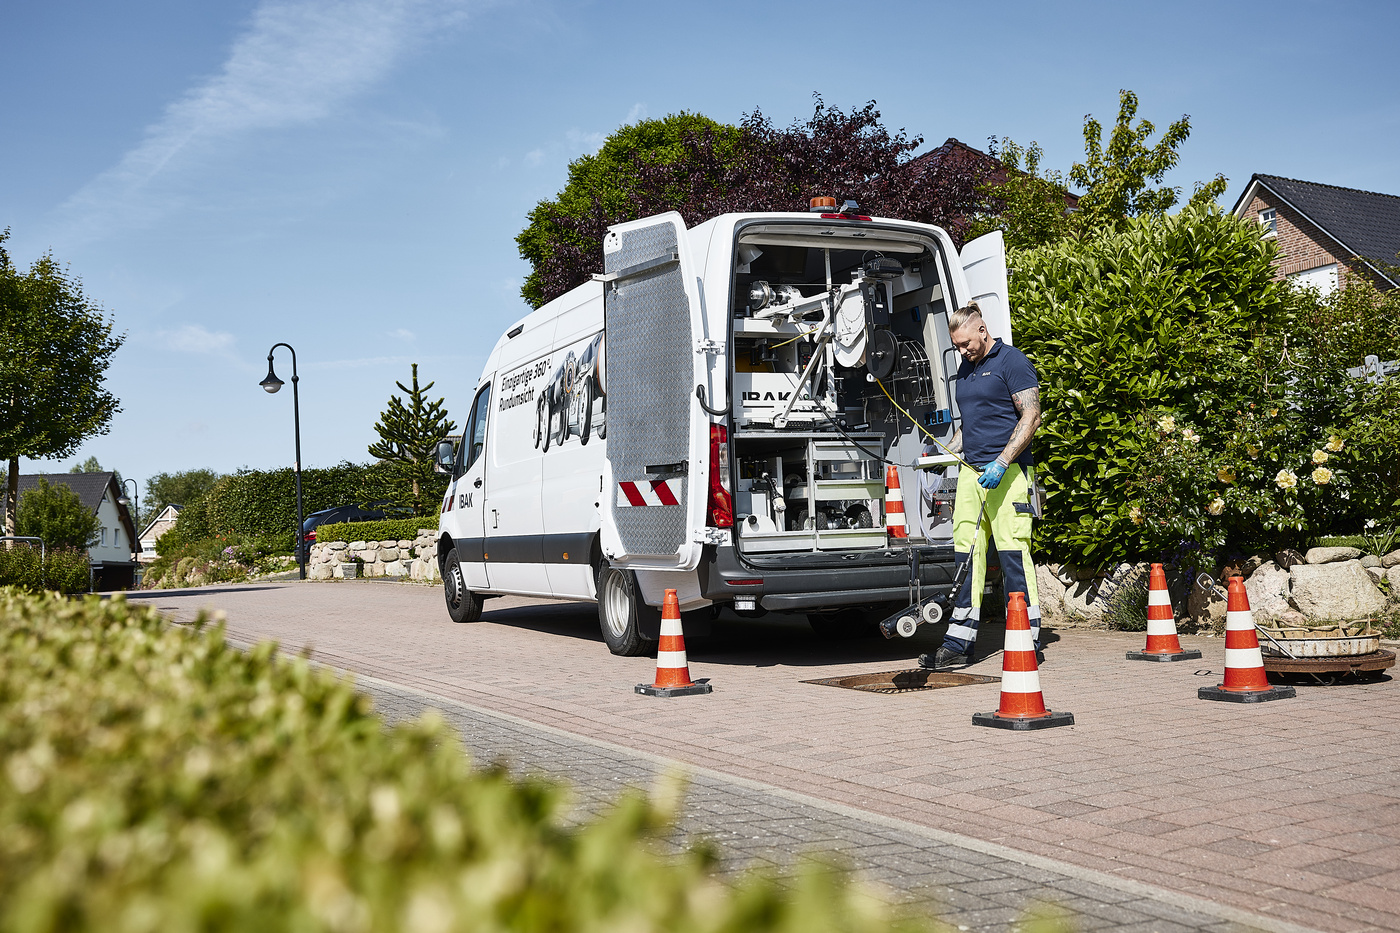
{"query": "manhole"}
[(904, 681)]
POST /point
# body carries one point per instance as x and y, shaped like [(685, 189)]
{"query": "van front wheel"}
[(620, 611), (462, 604)]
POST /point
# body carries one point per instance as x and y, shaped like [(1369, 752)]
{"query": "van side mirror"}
[(446, 455)]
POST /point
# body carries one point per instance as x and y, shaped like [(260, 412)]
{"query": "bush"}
[(220, 559), (396, 529), (63, 570), (160, 780), (1161, 316), (56, 514)]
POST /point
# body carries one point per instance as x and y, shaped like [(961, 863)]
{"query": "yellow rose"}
[(1167, 425), (1334, 443), (1190, 435), (1319, 456), (1216, 506), (1322, 476), (1225, 476), (1286, 479), (1135, 514)]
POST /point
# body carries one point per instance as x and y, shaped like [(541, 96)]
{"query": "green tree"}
[(57, 347), (1029, 208), (602, 184), (1117, 178), (183, 488), (409, 435), (56, 514)]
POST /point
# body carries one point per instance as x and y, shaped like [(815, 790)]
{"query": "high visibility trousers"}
[(1007, 519)]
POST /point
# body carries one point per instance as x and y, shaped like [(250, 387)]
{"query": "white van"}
[(714, 414)]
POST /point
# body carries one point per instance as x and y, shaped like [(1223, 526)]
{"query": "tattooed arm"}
[(1027, 404)]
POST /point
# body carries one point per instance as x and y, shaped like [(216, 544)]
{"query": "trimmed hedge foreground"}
[(156, 779), (396, 529)]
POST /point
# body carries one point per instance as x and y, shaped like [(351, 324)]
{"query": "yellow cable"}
[(924, 429), (794, 339)]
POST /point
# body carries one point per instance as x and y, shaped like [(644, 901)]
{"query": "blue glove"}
[(991, 475)]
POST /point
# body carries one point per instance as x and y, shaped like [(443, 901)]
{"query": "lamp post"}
[(271, 384), (134, 504)]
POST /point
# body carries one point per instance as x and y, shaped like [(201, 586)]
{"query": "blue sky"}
[(349, 176)]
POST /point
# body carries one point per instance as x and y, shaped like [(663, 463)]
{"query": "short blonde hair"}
[(959, 318)]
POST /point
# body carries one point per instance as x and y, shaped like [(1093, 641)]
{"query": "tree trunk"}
[(11, 498)]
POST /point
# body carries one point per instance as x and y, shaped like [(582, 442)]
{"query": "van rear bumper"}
[(723, 577)]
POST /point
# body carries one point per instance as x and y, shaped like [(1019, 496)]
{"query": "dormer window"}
[(1268, 217)]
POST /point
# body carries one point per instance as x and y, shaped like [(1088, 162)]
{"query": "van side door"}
[(984, 267), (466, 498)]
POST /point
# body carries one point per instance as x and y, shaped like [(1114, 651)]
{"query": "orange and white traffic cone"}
[(672, 671), (894, 504), (1022, 704), (1245, 679), (1162, 643)]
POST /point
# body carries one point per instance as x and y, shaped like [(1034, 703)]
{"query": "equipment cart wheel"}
[(621, 610), (462, 604)]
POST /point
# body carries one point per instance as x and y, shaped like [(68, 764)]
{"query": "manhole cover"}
[(904, 681)]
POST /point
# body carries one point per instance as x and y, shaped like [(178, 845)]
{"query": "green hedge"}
[(396, 529), (157, 779), (64, 570)]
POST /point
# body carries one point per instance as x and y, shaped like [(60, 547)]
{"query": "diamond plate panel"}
[(649, 396)]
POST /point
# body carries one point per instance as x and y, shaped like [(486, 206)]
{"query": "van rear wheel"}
[(620, 612), (462, 604)]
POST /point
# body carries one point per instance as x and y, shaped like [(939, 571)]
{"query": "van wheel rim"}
[(617, 605), (454, 593)]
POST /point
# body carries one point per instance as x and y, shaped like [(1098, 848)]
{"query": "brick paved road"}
[(1283, 810)]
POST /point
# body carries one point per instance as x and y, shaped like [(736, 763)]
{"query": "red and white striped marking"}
[(894, 504), (1161, 621), (1244, 663), (1020, 678), (650, 492)]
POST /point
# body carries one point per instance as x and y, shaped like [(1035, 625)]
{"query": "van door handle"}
[(477, 484)]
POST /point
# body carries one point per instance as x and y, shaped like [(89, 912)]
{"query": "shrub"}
[(63, 570), (396, 529), (160, 780), (1158, 317), (56, 514)]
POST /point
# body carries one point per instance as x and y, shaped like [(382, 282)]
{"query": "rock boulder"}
[(1050, 591), (1269, 589), (1391, 560), (1336, 591), (1331, 555)]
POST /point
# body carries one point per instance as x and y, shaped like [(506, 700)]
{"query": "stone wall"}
[(414, 560), (1325, 584)]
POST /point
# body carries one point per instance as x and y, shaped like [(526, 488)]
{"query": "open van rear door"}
[(984, 264), (658, 437)]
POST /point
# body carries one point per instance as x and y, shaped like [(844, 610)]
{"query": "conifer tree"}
[(409, 434)]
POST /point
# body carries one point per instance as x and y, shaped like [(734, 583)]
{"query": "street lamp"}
[(271, 384), (134, 505)]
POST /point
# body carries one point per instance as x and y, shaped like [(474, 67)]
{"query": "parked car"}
[(340, 513)]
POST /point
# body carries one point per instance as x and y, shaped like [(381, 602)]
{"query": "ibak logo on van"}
[(766, 397)]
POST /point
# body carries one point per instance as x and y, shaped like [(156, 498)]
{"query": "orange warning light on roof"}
[(818, 205)]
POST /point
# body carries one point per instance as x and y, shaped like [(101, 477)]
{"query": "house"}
[(157, 527), (113, 556), (1325, 231), (957, 160)]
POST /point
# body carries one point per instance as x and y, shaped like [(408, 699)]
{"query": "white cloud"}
[(584, 143), (402, 333), (192, 338), (638, 112), (534, 157), (297, 63)]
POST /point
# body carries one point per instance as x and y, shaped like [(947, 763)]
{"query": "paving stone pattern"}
[(1287, 810)]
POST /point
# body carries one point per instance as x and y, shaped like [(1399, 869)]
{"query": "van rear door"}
[(658, 437), (984, 265)]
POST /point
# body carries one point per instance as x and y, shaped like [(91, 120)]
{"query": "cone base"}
[(698, 687), (1277, 692), (1186, 654), (1023, 724)]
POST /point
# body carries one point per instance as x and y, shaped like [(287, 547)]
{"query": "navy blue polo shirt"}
[(984, 401)]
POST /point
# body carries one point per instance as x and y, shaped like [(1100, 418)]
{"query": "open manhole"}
[(904, 681)]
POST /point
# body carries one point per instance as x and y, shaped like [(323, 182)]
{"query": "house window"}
[(1323, 279), (104, 537), (1269, 218)]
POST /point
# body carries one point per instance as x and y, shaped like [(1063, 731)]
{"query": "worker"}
[(998, 396)]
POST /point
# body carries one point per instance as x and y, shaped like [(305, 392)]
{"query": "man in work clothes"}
[(998, 396)]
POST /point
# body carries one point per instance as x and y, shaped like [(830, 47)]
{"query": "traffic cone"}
[(672, 672), (1245, 680), (894, 504), (1162, 643), (1022, 704)]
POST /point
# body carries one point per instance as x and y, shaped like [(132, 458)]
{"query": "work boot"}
[(944, 659)]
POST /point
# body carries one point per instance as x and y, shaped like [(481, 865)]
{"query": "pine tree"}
[(409, 435)]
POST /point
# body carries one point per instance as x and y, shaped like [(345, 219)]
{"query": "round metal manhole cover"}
[(909, 681)]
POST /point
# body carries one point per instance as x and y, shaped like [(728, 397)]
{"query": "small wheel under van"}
[(623, 613), (462, 604)]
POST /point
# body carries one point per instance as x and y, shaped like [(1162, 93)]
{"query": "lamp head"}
[(271, 384)]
